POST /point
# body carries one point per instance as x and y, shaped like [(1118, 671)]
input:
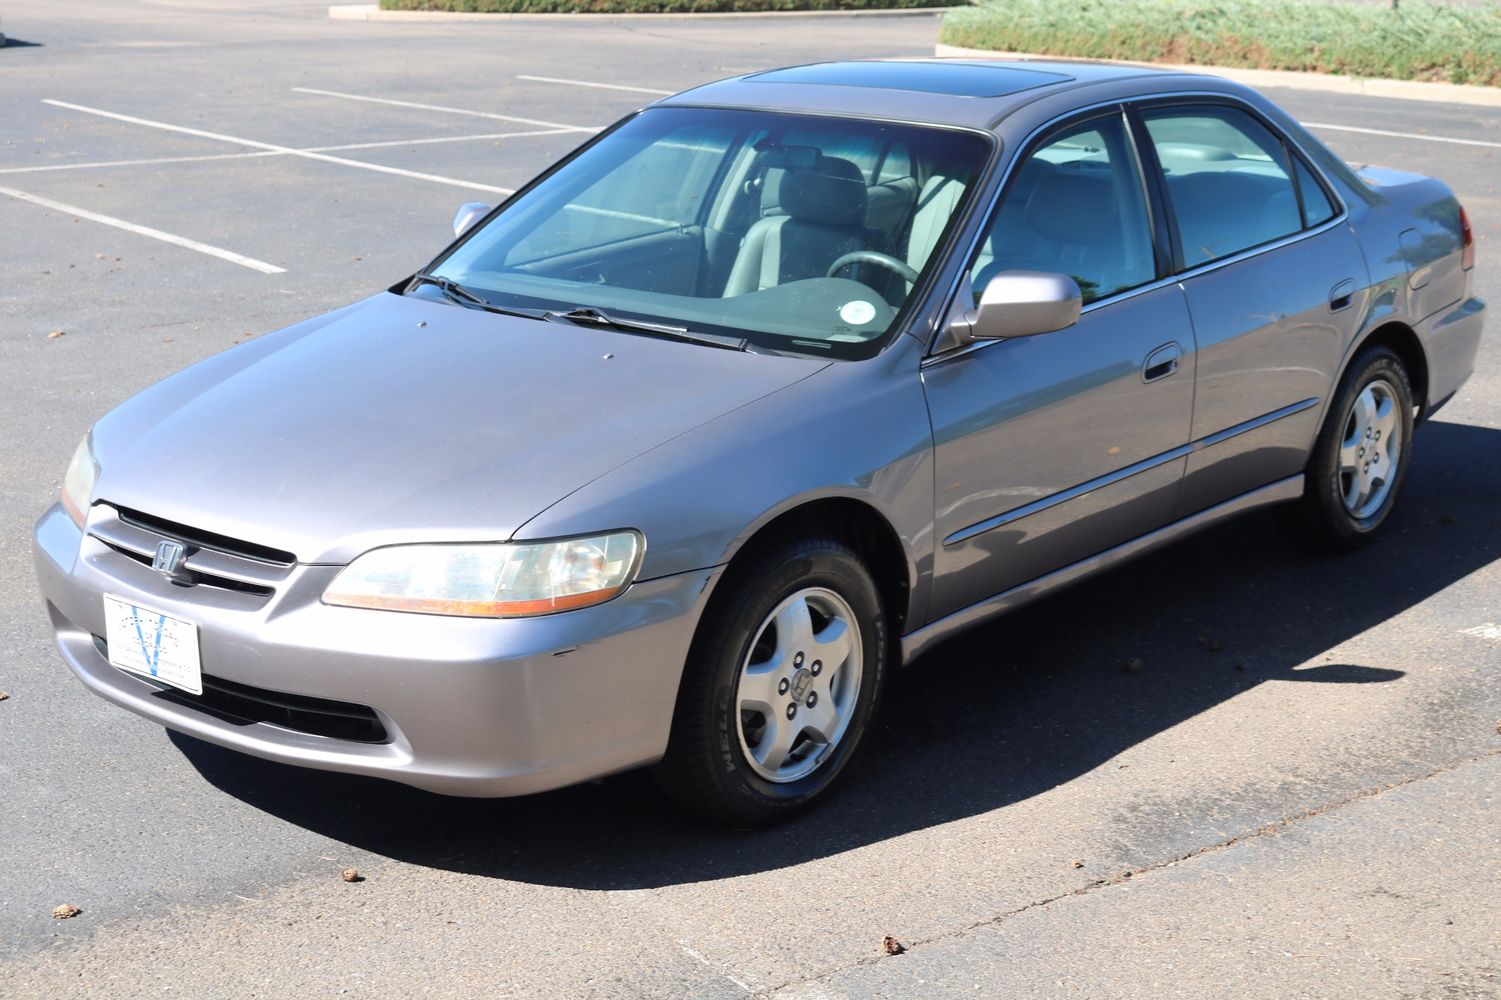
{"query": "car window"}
[(1317, 208), (1075, 206), (690, 156), (896, 165), (1227, 180), (664, 219)]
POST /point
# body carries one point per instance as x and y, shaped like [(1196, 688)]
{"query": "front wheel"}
[(1362, 453), (784, 673)]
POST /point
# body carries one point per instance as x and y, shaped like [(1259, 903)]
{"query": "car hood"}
[(400, 419)]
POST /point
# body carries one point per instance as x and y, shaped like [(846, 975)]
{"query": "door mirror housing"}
[(1018, 304), (468, 214)]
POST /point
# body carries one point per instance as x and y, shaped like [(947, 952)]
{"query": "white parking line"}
[(440, 139), (741, 983), (157, 160), (587, 83), (274, 147), (1404, 135), (155, 234), (154, 161), (445, 110)]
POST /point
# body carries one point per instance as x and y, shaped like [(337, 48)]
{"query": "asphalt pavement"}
[(1299, 795)]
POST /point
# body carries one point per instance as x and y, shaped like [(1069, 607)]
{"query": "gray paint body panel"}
[(1023, 420), (371, 430)]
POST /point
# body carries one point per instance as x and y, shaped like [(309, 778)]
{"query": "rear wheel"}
[(1362, 453), (783, 676)]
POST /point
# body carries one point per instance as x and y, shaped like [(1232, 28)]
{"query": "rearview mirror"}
[(468, 214), (1019, 304)]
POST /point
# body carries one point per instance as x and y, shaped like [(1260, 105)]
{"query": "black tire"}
[(1328, 519), (706, 768)]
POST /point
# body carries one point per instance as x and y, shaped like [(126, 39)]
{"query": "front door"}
[(1049, 449)]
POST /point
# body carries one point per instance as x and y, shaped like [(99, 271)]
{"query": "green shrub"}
[(1418, 41), (645, 6)]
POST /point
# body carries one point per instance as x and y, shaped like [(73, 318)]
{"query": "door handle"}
[(1162, 362), (1341, 295)]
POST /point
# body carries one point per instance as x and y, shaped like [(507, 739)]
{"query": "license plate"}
[(147, 642)]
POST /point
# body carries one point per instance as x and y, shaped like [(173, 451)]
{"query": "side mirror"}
[(468, 214), (1019, 304)]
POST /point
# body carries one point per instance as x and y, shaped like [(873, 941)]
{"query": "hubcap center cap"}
[(801, 682)]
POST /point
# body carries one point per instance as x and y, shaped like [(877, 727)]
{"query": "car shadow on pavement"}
[(994, 717)]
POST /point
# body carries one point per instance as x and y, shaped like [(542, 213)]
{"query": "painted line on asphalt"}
[(715, 967), (274, 147), (155, 234), (440, 139), (153, 161), (1403, 135), (159, 160), (589, 83), (445, 109)]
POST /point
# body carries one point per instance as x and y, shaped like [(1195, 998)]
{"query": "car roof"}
[(966, 92)]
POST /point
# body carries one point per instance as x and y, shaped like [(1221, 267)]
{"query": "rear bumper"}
[(1451, 340), (474, 707)]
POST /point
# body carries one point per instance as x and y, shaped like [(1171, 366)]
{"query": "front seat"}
[(1071, 225), (825, 220)]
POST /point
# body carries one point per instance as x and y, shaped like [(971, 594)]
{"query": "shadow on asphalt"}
[(993, 717)]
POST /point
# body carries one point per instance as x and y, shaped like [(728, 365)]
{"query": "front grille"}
[(207, 579), (212, 560), (205, 539), (244, 705)]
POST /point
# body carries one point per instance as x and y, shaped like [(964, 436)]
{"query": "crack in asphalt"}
[(1270, 829)]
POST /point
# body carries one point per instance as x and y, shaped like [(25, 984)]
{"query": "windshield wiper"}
[(590, 316), (456, 292)]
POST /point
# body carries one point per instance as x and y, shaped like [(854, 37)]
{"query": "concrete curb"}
[(1406, 90), (372, 12)]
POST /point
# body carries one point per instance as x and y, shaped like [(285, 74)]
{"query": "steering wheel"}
[(873, 257)]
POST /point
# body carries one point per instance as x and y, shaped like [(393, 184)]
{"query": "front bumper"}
[(477, 707)]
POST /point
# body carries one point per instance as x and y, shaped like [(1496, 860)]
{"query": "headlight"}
[(78, 481), (491, 580)]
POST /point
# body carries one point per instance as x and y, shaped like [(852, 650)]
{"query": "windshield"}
[(796, 233)]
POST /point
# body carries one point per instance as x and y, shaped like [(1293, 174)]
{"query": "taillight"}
[(1467, 255)]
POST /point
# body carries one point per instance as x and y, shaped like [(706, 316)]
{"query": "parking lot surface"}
[(1298, 795)]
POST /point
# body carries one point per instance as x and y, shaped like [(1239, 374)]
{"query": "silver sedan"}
[(669, 459)]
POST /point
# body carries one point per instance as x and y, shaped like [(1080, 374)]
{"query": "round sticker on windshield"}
[(857, 313)]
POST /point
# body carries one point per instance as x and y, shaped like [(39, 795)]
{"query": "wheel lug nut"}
[(812, 699), (797, 660), (791, 710), (782, 686), (817, 667)]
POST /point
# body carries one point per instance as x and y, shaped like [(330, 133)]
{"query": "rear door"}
[(1275, 282), (1051, 448)]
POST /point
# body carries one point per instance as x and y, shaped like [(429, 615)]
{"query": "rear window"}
[(1228, 179)]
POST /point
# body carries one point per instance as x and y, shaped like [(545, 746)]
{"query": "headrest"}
[(832, 193), (1073, 208)]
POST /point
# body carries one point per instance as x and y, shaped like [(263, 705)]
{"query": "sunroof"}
[(958, 79)]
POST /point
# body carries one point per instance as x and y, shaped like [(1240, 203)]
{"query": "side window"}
[(1074, 207), (1227, 178), (1317, 207)]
